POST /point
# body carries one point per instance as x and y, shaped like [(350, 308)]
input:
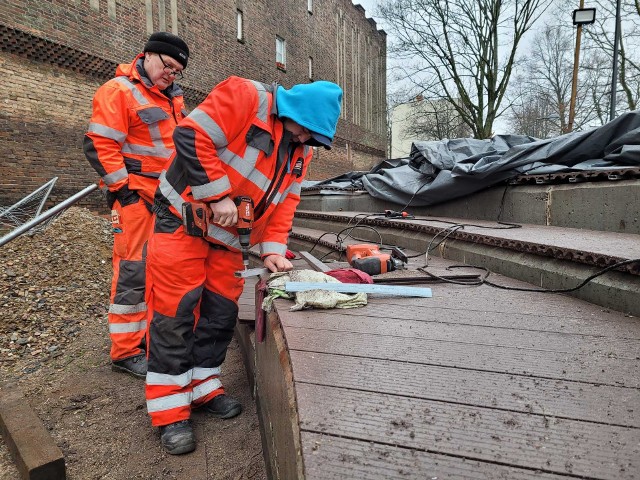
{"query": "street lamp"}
[(581, 16), (614, 76)]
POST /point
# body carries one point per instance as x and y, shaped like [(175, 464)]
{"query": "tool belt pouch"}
[(194, 219)]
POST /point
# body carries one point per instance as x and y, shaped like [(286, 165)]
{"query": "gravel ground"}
[(54, 346)]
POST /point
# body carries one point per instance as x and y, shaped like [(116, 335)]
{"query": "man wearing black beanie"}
[(129, 140)]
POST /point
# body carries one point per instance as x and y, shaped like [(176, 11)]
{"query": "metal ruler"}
[(360, 288)]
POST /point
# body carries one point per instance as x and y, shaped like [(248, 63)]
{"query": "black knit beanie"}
[(169, 44)]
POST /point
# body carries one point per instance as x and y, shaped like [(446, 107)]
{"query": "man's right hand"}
[(224, 212)]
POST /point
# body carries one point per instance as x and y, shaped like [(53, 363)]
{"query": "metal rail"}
[(48, 214)]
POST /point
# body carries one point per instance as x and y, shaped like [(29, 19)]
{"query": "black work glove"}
[(125, 196)]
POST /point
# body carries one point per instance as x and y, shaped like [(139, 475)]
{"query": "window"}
[(310, 6), (281, 53), (240, 20), (310, 68)]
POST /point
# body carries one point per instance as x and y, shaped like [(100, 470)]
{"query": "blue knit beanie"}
[(315, 106)]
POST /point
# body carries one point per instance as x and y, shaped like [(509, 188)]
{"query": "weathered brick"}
[(47, 102)]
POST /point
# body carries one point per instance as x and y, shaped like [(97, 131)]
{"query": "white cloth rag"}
[(309, 298)]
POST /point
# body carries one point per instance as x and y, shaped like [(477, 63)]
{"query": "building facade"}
[(54, 54)]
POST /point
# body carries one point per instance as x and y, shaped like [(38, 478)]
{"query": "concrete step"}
[(548, 257), (603, 206)]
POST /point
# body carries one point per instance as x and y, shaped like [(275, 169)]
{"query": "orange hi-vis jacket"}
[(234, 144), (130, 137)]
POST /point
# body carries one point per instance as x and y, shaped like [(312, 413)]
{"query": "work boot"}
[(178, 438), (136, 365), (223, 406)]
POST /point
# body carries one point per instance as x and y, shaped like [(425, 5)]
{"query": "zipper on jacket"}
[(279, 174)]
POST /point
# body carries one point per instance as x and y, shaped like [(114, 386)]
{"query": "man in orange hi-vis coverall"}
[(130, 139), (245, 139)]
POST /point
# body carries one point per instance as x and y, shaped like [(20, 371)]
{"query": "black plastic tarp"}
[(437, 171)]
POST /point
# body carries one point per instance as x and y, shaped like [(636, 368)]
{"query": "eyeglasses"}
[(170, 71)]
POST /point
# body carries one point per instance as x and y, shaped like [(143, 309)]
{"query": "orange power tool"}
[(368, 258), (197, 215), (244, 225)]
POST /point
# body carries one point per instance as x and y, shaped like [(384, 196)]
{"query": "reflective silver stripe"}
[(273, 247), (295, 188), (276, 198), (129, 327), (134, 91), (205, 388), (255, 176), (281, 196), (200, 373), (306, 150), (210, 127), (159, 149), (246, 166), (181, 380), (156, 138), (124, 309), (211, 189), (224, 237), (263, 100), (107, 132), (116, 176), (169, 402), (155, 151), (170, 193)]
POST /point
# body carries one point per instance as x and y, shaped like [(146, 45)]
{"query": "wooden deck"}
[(475, 382)]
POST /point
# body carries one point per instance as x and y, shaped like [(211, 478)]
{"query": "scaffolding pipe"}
[(48, 214)]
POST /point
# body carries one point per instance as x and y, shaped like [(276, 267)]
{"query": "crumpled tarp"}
[(442, 170), (309, 298)]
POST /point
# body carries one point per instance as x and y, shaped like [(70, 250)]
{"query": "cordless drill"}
[(368, 258), (244, 225), (196, 217)]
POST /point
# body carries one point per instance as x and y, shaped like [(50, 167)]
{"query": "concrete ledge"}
[(615, 290), (34, 451), (604, 206)]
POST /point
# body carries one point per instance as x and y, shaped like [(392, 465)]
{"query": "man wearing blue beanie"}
[(246, 139)]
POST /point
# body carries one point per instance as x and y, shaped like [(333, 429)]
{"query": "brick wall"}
[(55, 53)]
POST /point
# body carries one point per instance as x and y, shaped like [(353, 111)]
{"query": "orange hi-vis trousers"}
[(132, 224), (192, 295)]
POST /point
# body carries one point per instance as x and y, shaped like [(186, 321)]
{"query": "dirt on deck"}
[(54, 346)]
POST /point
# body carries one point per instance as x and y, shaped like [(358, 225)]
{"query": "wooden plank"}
[(275, 397), (402, 291), (552, 398), (487, 299), (316, 264), (246, 303), (528, 441), (610, 325), (35, 453), (551, 365), (246, 340), (478, 335), (333, 458)]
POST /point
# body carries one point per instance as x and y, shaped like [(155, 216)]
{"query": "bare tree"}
[(601, 38), (434, 120), (461, 51), (543, 92)]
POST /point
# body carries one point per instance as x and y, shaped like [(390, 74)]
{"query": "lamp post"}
[(581, 16), (614, 77)]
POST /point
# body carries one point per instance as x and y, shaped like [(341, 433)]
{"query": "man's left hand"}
[(277, 263)]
